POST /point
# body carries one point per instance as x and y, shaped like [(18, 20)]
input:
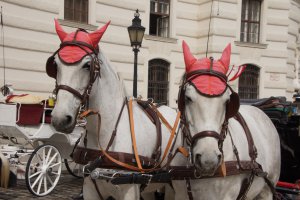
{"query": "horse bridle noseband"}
[(94, 68)]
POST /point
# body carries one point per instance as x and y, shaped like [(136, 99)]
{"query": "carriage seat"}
[(277, 108), (271, 102), (30, 109)]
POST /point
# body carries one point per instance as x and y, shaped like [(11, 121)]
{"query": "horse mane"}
[(182, 79), (111, 69)]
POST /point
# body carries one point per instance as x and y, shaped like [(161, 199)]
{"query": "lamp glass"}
[(140, 35), (132, 35)]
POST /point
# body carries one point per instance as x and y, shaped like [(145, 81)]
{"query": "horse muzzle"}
[(207, 163), (64, 123)]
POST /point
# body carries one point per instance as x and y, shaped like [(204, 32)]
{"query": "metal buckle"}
[(196, 174), (189, 158), (148, 176)]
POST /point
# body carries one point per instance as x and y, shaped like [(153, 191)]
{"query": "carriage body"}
[(25, 134), (286, 119)]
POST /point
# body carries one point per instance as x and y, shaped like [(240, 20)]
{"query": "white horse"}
[(202, 113), (107, 97), (205, 110)]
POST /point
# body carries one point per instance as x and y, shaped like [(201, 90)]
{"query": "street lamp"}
[(136, 34)]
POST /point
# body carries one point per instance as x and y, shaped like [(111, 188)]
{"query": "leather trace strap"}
[(133, 138), (114, 133), (128, 166), (251, 145)]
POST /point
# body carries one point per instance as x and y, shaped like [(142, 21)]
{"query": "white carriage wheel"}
[(43, 170), (73, 168)]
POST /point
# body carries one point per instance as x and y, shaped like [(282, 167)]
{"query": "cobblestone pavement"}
[(67, 187)]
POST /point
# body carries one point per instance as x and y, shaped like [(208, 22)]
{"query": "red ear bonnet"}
[(59, 30), (72, 54), (207, 84), (225, 59), (189, 59)]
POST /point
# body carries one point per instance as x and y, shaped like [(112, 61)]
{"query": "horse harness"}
[(151, 169), (231, 167), (154, 173)]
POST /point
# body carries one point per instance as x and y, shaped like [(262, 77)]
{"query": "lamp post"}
[(136, 34)]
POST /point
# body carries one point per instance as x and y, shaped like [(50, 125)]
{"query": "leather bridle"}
[(220, 137), (94, 68)]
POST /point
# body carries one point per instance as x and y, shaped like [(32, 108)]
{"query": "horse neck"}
[(107, 97)]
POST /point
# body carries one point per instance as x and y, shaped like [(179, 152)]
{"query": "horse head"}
[(206, 102), (75, 66)]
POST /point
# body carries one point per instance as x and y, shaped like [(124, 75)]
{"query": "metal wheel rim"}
[(43, 170)]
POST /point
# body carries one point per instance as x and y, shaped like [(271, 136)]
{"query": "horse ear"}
[(189, 59), (225, 59), (97, 35), (60, 31)]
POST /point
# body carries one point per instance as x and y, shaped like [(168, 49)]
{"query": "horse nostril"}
[(219, 157), (68, 119), (198, 157)]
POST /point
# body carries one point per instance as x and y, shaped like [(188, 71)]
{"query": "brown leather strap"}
[(153, 116), (131, 167), (163, 119), (71, 90), (245, 187), (156, 167), (232, 168), (133, 138), (189, 189), (199, 72), (114, 133), (251, 145), (203, 134), (97, 189), (83, 155), (87, 113)]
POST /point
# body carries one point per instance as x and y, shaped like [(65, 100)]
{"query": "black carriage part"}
[(287, 122)]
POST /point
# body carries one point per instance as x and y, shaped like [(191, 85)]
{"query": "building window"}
[(77, 10), (158, 81), (159, 18), (250, 21), (249, 83)]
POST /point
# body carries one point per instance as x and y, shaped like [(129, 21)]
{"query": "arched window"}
[(249, 83), (158, 81)]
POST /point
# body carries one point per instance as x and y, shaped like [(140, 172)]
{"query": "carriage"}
[(36, 152), (285, 116), (202, 163)]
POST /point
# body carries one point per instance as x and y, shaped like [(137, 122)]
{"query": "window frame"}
[(160, 16), (247, 22), (73, 10), (160, 69), (249, 81)]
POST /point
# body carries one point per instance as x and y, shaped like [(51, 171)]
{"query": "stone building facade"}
[(264, 35)]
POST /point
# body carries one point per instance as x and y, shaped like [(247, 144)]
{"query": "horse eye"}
[(87, 66), (188, 99)]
